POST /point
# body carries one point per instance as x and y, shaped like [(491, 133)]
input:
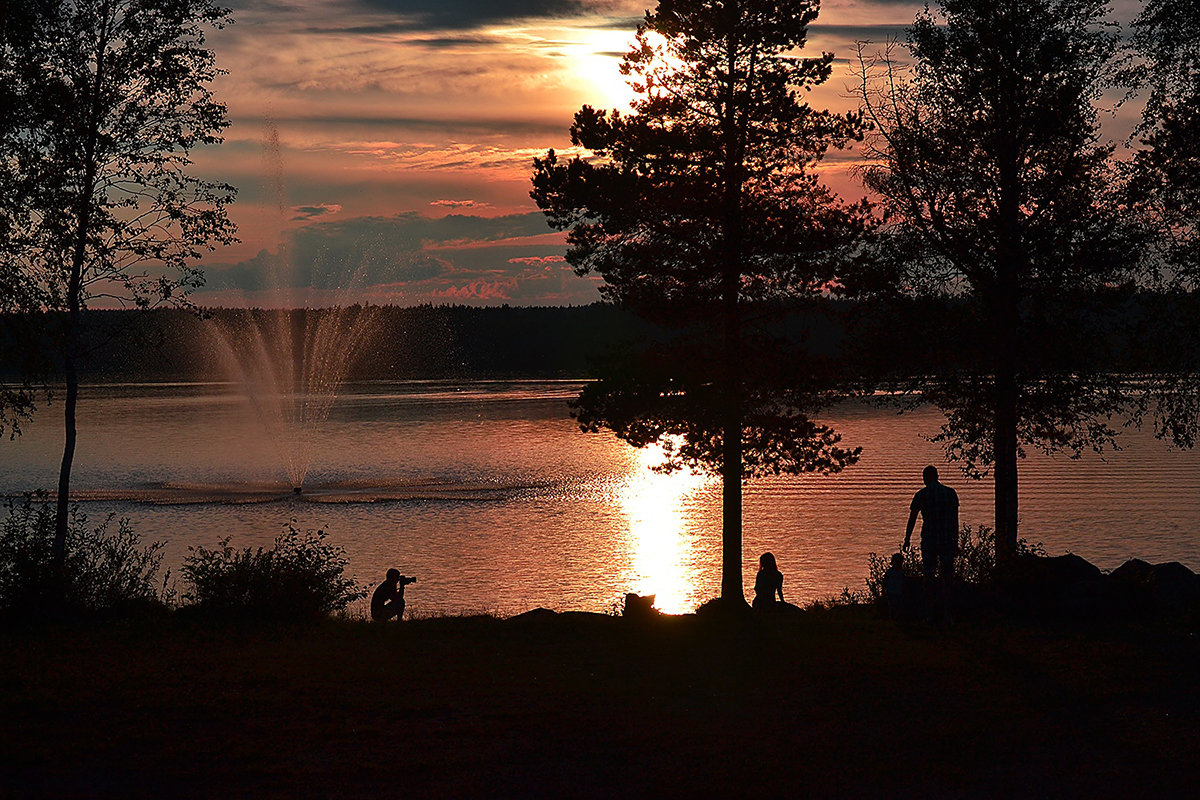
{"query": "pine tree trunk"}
[(731, 279), (1007, 337), (1005, 471), (731, 456)]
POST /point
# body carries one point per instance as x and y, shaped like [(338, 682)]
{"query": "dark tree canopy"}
[(998, 190), (719, 119), (700, 208), (1165, 186), (111, 97), (1166, 42)]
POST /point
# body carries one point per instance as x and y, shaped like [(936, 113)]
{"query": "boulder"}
[(1143, 588), (587, 619), (533, 615), (720, 608), (1175, 587), (1065, 585), (639, 606)]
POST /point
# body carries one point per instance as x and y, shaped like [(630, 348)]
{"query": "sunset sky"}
[(406, 131)]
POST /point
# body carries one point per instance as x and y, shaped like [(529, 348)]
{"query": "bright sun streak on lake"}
[(654, 506)]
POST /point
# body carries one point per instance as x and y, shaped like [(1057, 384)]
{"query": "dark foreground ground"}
[(824, 704)]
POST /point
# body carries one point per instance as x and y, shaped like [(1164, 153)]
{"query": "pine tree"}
[(701, 208)]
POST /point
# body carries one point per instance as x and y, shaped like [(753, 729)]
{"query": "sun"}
[(596, 62)]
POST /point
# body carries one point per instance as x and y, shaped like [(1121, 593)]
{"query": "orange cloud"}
[(537, 260)]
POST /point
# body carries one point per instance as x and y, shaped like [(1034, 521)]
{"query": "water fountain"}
[(290, 363), (291, 358)]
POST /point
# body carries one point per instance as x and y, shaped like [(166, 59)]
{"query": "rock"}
[(534, 615), (1132, 588), (1175, 587), (587, 619), (1143, 588), (639, 607), (719, 608), (1133, 570), (1065, 585)]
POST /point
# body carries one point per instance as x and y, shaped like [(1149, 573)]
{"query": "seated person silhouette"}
[(388, 599), (767, 583)]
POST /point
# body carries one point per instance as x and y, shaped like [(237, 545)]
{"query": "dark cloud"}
[(410, 16), (861, 32), (304, 213), (466, 14), (422, 124), (616, 23), (447, 42), (459, 204), (537, 260), (268, 6)]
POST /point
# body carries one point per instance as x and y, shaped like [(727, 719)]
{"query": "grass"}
[(833, 703)]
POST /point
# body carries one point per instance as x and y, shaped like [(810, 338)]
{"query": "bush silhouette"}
[(975, 563), (105, 572), (300, 577)]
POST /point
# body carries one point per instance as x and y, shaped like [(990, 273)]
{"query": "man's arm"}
[(954, 515), (912, 520)]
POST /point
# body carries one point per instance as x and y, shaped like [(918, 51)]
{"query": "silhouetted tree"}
[(1165, 183), (108, 99), (698, 202), (999, 194), (1167, 166), (18, 294)]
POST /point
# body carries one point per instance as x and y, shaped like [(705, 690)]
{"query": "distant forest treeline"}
[(431, 342), (423, 342)]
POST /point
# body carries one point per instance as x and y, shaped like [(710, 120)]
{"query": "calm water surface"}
[(488, 492)]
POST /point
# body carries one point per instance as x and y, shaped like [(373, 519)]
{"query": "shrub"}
[(843, 599), (301, 576), (877, 565), (975, 563), (104, 571)]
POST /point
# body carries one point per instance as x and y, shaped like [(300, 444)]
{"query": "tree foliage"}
[(301, 577), (106, 571), (109, 99), (988, 160), (666, 391), (718, 151), (700, 208), (1166, 177), (1165, 187)]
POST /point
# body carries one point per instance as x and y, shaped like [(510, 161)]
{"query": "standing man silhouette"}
[(938, 506)]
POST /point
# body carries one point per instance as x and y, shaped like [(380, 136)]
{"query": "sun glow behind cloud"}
[(595, 61)]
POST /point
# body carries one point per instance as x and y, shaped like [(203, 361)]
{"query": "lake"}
[(490, 494)]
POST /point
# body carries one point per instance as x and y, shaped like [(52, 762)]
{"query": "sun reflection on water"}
[(663, 558)]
